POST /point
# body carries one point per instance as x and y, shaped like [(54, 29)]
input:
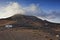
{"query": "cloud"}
[(53, 16), (13, 8), (32, 9)]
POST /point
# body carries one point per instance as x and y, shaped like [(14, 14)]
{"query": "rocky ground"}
[(26, 34)]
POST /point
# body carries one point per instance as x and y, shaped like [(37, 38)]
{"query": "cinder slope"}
[(25, 34)]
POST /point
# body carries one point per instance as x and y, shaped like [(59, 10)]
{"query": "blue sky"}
[(45, 9), (45, 4)]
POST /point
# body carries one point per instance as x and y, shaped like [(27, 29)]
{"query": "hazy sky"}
[(45, 9)]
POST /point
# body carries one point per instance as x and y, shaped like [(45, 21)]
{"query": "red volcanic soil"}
[(5, 22), (25, 34), (16, 35)]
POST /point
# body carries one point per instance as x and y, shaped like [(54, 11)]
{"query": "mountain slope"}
[(27, 21)]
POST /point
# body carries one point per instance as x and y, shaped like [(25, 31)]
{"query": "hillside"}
[(25, 20), (26, 27)]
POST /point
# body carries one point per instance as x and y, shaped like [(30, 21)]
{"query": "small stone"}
[(57, 35)]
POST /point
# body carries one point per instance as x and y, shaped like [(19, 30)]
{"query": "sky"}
[(44, 9)]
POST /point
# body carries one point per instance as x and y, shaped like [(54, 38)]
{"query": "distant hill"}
[(29, 21)]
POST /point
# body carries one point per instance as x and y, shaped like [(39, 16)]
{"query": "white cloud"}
[(11, 9), (52, 16), (14, 8), (32, 9)]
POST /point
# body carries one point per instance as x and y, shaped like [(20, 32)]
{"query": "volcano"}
[(27, 21), (24, 27)]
